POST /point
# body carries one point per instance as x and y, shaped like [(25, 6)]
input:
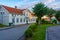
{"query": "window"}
[(33, 19), (17, 15), (24, 14), (20, 19), (17, 20), (13, 20), (24, 19), (12, 14), (29, 20), (27, 14), (0, 7), (1, 13)]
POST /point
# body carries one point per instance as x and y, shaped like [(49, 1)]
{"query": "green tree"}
[(58, 15), (51, 12), (40, 9)]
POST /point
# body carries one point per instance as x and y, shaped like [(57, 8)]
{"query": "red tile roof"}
[(16, 11), (13, 10)]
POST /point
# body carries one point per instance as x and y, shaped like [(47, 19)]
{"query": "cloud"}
[(27, 4), (49, 1), (30, 3), (54, 5)]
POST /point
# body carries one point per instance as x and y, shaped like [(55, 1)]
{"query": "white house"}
[(15, 16)]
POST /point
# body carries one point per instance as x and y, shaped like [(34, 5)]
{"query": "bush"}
[(30, 30), (1, 25), (45, 22), (58, 15), (33, 27), (54, 21), (28, 33)]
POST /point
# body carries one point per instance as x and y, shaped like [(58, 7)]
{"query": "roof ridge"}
[(10, 7)]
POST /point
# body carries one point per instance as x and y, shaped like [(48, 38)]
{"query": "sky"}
[(30, 3)]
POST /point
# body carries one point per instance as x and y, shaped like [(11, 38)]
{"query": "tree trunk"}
[(39, 22), (50, 20)]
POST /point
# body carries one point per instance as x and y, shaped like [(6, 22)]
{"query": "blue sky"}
[(30, 3)]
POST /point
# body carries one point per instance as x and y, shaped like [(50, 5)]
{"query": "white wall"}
[(19, 17), (4, 17), (15, 16)]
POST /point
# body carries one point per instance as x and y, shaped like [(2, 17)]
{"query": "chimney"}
[(15, 7)]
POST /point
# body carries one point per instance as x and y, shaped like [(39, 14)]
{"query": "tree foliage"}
[(39, 10), (58, 15), (51, 12)]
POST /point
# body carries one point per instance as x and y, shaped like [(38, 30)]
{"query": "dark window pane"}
[(17, 20), (13, 20), (20, 19), (1, 12), (24, 19)]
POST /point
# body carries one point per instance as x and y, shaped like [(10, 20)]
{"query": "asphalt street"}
[(53, 33), (13, 33)]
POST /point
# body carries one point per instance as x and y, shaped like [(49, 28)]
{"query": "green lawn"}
[(40, 32)]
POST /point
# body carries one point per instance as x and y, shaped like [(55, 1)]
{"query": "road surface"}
[(53, 33), (13, 33)]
